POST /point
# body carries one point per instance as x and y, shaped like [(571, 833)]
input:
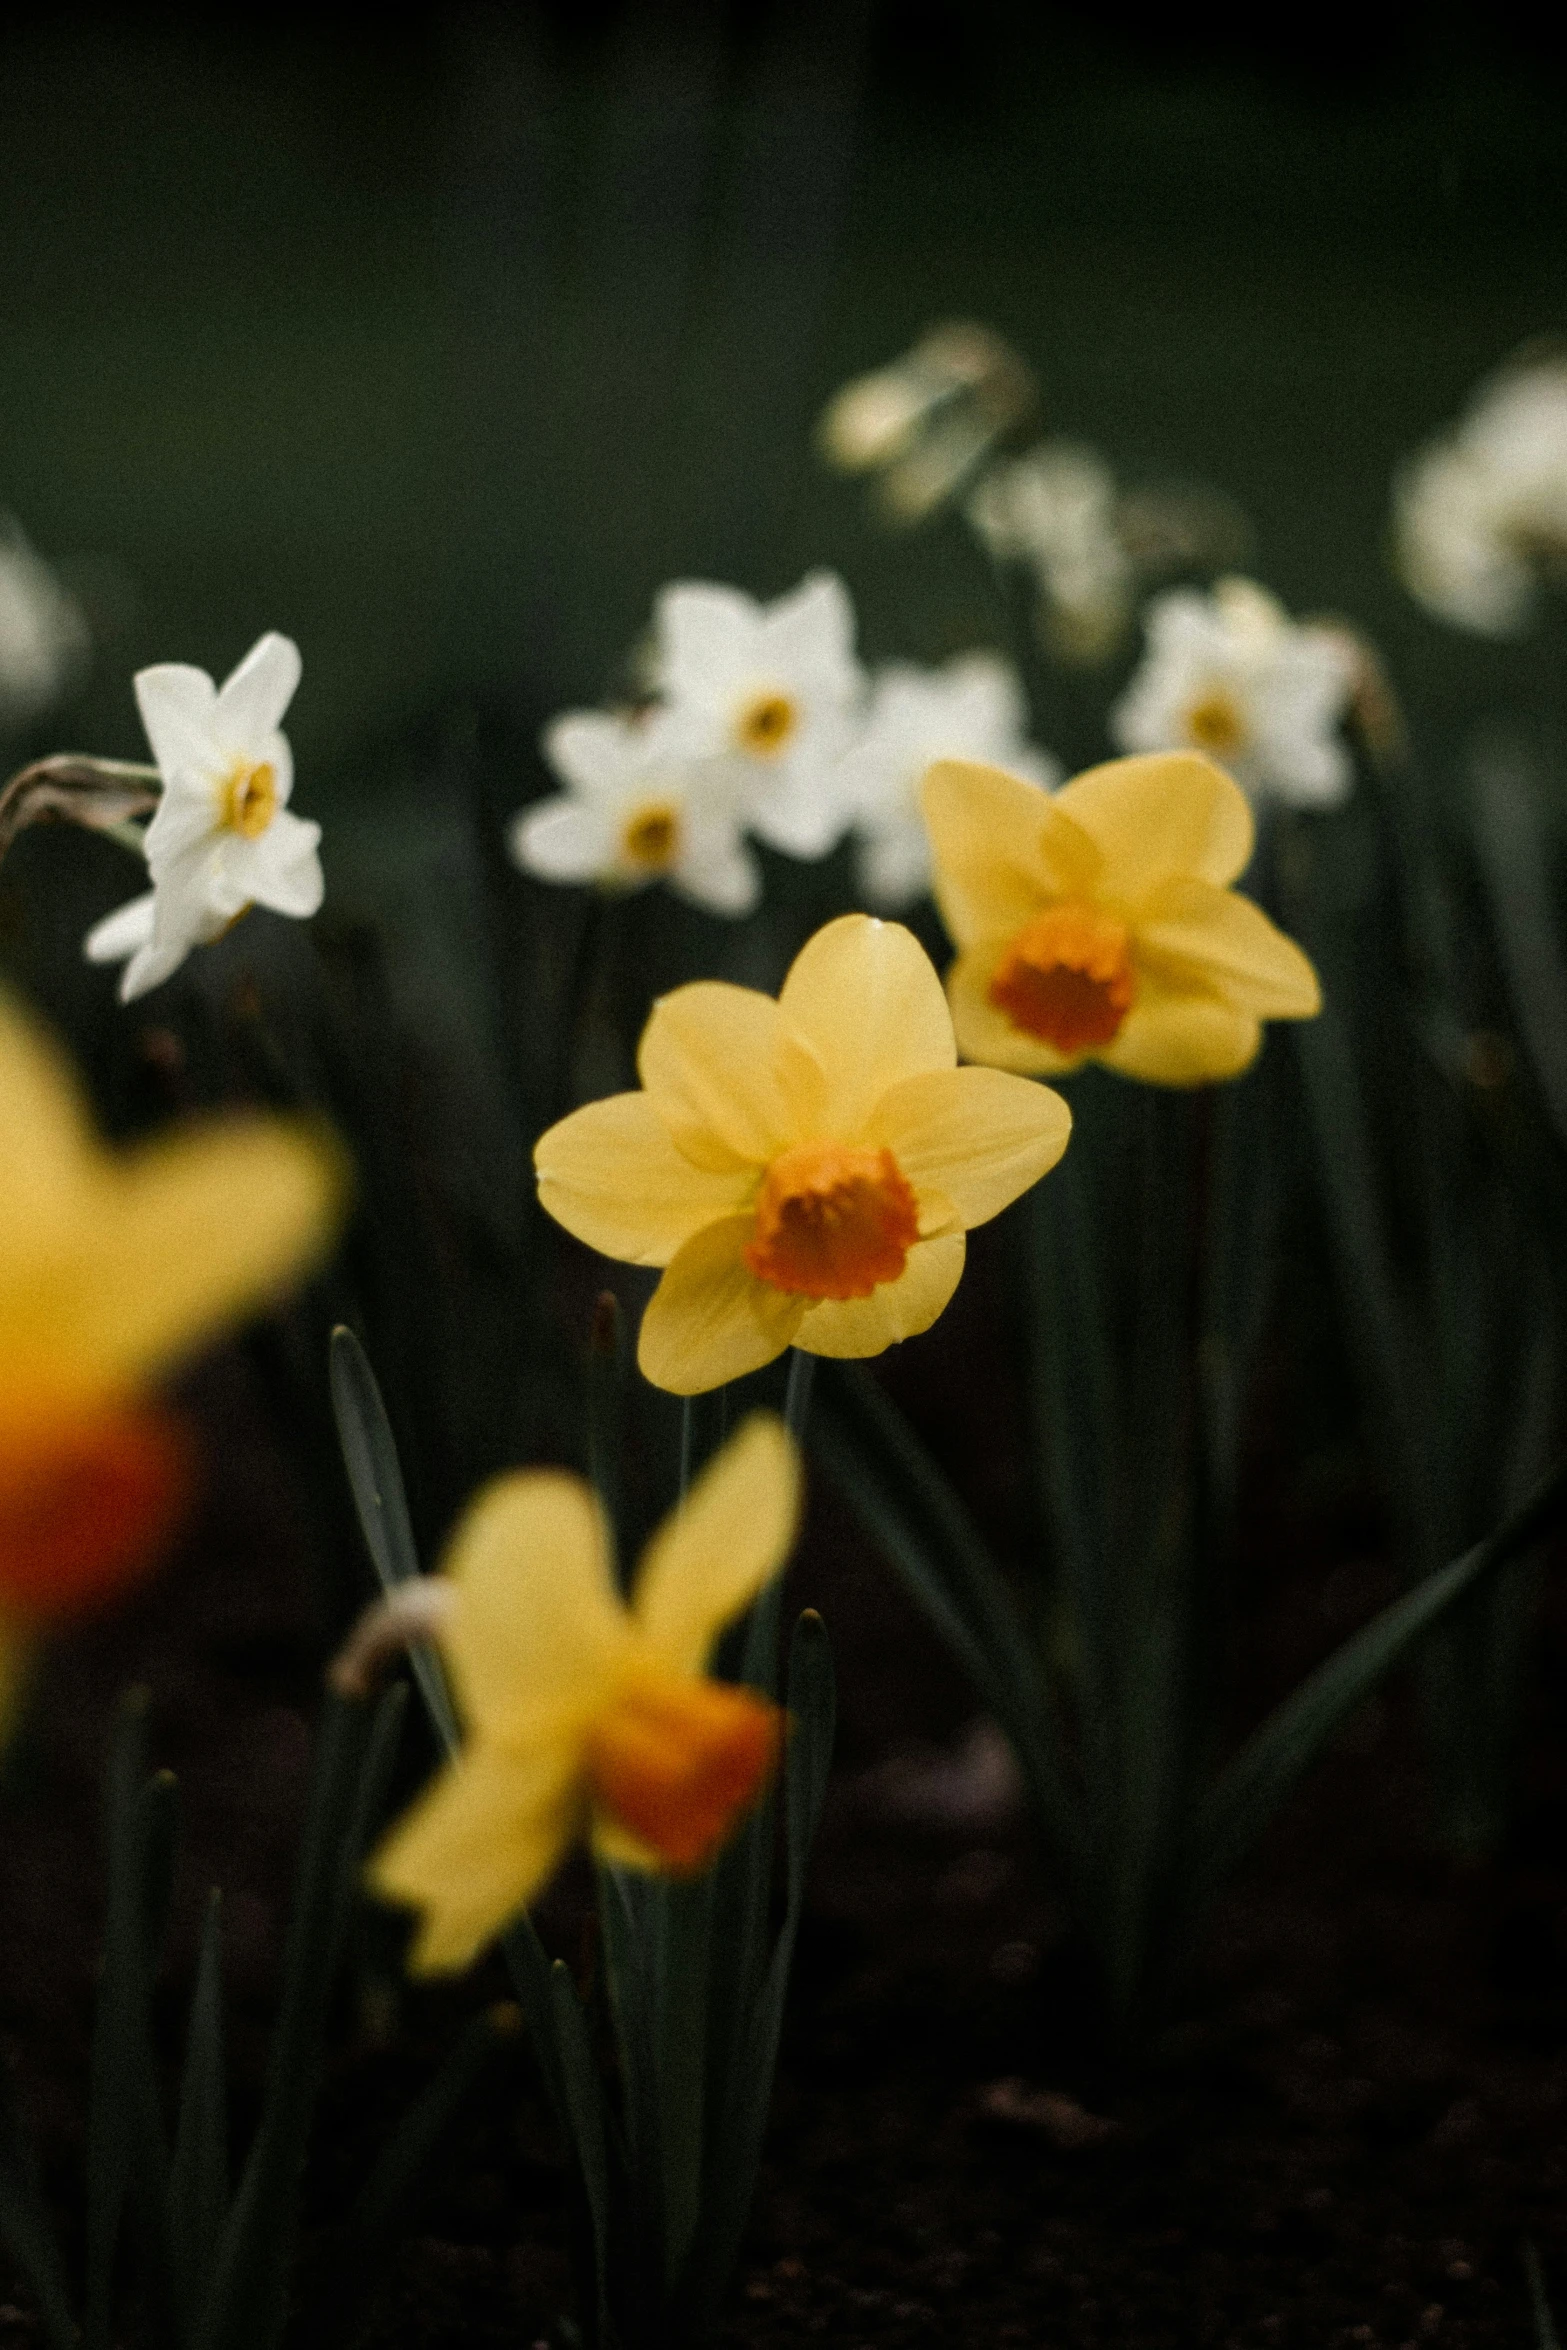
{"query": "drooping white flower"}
[(43, 636), (1056, 510), (773, 688), (222, 838), (925, 424), (972, 708), (638, 807), (1481, 514), (1232, 675)]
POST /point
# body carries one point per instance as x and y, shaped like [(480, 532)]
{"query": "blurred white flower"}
[(773, 688), (43, 638), (1481, 514), (1231, 674), (222, 838), (925, 423), (639, 807), (1056, 511), (972, 708)]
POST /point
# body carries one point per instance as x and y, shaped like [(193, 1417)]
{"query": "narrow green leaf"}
[(374, 2222), (905, 1503), (682, 1918), (628, 1934), (376, 1479), (1516, 857), (127, 2155), (1271, 1762), (736, 2150), (1545, 2335), (25, 2225), (584, 2101), (247, 2309), (199, 2171)]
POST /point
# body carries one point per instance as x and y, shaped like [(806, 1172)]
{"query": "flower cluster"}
[(1231, 675), (1481, 513), (763, 725)]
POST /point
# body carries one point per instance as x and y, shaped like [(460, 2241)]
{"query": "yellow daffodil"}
[(583, 1714), (1097, 923), (804, 1170), (112, 1264)]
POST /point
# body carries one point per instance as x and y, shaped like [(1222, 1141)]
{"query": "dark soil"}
[(1344, 2136)]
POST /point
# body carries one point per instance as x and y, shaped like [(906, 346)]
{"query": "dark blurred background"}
[(441, 347)]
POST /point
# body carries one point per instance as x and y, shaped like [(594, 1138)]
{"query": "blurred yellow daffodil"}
[(804, 1169), (584, 1714), (112, 1264), (1097, 923)]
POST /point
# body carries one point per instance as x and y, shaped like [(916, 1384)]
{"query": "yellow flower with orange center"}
[(804, 1169), (585, 1715), (112, 1264), (1097, 922)]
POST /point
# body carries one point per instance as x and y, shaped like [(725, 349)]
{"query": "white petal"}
[(565, 839), (185, 817), (254, 696), (590, 750), (894, 865), (808, 637), (706, 636), (724, 877), (122, 933), (151, 967), (177, 704), (282, 870)]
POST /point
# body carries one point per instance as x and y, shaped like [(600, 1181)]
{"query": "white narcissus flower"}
[(222, 838), (773, 688), (971, 709), (639, 807), (1230, 674), (1481, 514)]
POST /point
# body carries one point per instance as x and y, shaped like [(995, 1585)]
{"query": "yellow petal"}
[(1171, 1039), (47, 1152), (710, 1559), (536, 1622), (1001, 848), (1158, 816), (729, 1081), (477, 1846), (617, 1848), (976, 1135), (983, 1030), (865, 997), (167, 1246), (1227, 945), (613, 1177), (710, 1319), (898, 1309)]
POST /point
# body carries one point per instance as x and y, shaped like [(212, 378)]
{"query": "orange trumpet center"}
[(84, 1507), (1067, 977), (832, 1222), (677, 1762)]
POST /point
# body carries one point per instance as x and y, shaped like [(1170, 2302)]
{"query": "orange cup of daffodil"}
[(804, 1170), (1097, 923), (585, 1715), (112, 1264)]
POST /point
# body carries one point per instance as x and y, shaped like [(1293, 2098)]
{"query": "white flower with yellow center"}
[(222, 838), (773, 688), (1231, 675), (637, 808), (1481, 515), (971, 709)]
